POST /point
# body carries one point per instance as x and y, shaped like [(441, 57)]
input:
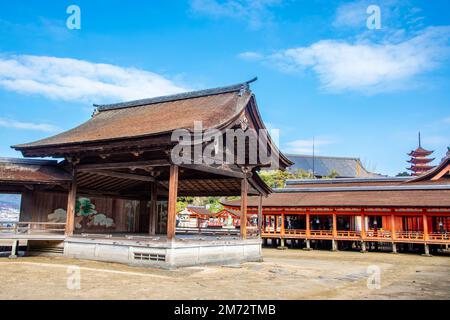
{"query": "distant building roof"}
[(339, 182), (429, 190), (393, 196), (200, 210), (346, 167)]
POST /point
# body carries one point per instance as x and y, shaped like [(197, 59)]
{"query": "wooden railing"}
[(348, 234), (383, 234), (321, 233), (371, 235), (409, 235), (23, 228), (295, 232), (439, 236), (270, 231)]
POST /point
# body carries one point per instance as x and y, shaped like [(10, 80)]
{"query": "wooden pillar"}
[(282, 231), (394, 235), (425, 225), (334, 225), (260, 216), (363, 231), (244, 191), (308, 224), (153, 219), (363, 225), (71, 202), (172, 203)]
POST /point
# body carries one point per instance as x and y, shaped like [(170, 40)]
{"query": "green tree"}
[(277, 178), (333, 175)]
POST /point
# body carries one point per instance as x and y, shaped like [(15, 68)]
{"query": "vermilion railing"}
[(348, 234), (409, 235), (439, 236), (322, 233), (379, 234), (297, 232), (270, 232)]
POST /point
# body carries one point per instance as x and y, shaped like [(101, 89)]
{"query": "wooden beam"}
[(172, 202), (71, 202), (213, 170), (244, 201), (153, 209), (122, 175), (123, 165)]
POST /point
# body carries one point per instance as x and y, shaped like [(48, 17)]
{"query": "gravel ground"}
[(284, 274)]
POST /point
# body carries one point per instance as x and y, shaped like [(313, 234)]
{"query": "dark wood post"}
[(172, 205), (71, 202), (153, 209), (244, 191)]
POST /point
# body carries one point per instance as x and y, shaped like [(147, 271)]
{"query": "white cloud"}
[(74, 80), (366, 66), (351, 14), (13, 124), (447, 120), (255, 12), (306, 146)]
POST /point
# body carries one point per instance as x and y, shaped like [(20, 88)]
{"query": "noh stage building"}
[(113, 197)]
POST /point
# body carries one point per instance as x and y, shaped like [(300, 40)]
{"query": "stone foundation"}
[(164, 254)]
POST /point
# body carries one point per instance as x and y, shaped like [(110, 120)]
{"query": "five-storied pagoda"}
[(420, 163)]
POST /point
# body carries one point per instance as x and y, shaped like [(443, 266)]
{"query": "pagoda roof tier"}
[(421, 160), (420, 152), (422, 166)]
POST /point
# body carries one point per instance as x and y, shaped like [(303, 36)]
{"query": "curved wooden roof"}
[(151, 121), (158, 116)]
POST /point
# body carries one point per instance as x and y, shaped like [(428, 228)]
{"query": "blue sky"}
[(322, 72)]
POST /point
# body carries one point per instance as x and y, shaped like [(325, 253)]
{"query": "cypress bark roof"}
[(141, 118)]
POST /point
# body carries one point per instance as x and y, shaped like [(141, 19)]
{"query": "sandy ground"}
[(284, 274)]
